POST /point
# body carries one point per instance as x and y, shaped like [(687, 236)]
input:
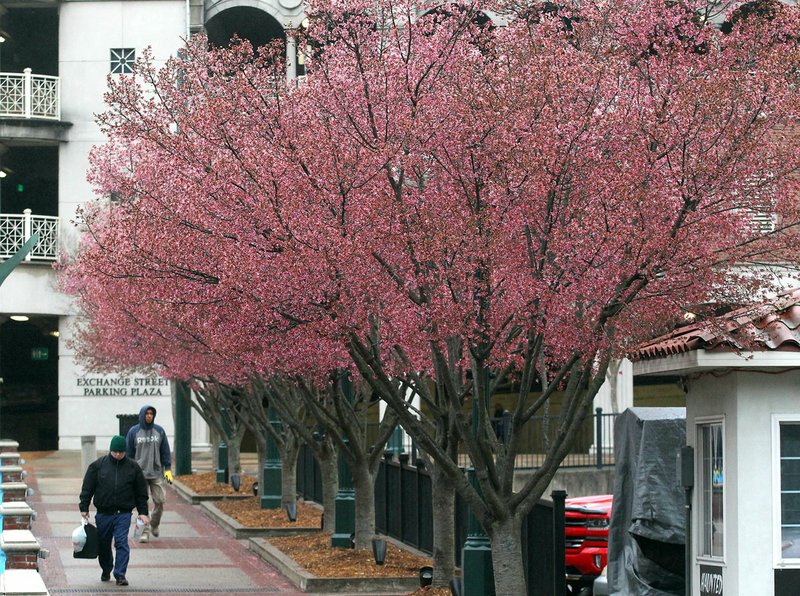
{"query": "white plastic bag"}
[(137, 533), (79, 537)]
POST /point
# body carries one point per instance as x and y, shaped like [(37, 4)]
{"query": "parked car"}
[(587, 522)]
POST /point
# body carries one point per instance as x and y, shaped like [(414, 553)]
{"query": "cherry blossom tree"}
[(443, 206)]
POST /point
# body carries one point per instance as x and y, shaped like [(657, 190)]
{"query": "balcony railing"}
[(29, 96), (16, 229)]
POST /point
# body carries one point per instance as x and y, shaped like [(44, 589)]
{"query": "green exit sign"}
[(39, 354)]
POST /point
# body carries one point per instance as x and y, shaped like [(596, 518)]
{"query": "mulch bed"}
[(249, 513), (206, 484), (311, 551)]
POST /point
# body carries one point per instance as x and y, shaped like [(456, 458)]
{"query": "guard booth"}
[(743, 422)]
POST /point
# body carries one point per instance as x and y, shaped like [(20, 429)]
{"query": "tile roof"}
[(771, 325)]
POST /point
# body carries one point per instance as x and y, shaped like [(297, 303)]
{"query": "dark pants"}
[(116, 527)]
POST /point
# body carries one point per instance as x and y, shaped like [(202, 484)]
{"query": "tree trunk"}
[(443, 501), (509, 573), (330, 486), (364, 485), (235, 454), (289, 473)]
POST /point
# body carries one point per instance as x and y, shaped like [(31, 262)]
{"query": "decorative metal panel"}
[(12, 95), (25, 95), (45, 97), (14, 232)]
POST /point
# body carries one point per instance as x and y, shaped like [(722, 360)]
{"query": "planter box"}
[(306, 582), (237, 530)]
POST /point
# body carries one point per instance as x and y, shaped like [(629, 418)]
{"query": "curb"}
[(237, 530), (334, 585)]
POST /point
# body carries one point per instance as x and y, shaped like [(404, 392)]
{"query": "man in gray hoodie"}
[(148, 445)]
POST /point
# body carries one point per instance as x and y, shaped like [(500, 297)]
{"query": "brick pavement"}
[(192, 555)]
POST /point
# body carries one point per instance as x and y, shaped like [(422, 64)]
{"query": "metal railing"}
[(593, 446), (16, 229), (25, 95)]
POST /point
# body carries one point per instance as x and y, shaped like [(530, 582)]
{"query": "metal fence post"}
[(272, 489), (26, 229), (476, 555), (222, 450), (598, 439), (559, 543), (26, 92), (345, 502), (402, 459), (183, 429)]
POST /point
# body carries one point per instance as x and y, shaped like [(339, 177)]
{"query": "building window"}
[(789, 455), (122, 60), (712, 490)]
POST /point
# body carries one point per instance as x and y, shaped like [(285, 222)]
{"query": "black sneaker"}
[(121, 581), (105, 577)]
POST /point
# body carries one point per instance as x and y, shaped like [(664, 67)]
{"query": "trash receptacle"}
[(126, 422)]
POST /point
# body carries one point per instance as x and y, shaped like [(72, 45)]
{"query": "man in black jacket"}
[(117, 485)]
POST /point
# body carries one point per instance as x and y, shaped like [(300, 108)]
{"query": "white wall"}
[(747, 400), (31, 290), (87, 32)]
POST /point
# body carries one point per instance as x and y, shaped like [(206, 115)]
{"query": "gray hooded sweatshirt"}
[(149, 446)]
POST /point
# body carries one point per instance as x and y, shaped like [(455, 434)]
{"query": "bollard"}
[(88, 451)]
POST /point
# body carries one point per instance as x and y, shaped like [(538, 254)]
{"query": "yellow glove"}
[(168, 476)]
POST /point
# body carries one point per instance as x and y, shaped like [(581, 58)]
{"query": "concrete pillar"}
[(291, 58), (88, 451)]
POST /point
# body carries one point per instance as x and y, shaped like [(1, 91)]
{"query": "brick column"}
[(10, 458), (17, 515), (7, 446), (15, 491), (21, 549), (12, 473)]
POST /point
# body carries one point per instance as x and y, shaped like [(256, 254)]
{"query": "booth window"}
[(712, 487), (789, 444)]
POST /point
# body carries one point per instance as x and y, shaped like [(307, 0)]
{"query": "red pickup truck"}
[(587, 520)]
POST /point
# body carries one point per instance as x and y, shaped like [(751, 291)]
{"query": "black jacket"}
[(116, 485)]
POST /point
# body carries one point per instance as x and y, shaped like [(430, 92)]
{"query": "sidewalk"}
[(192, 555)]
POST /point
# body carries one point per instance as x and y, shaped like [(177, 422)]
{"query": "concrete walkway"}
[(192, 555)]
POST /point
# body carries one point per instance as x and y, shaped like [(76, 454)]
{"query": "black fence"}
[(404, 511)]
